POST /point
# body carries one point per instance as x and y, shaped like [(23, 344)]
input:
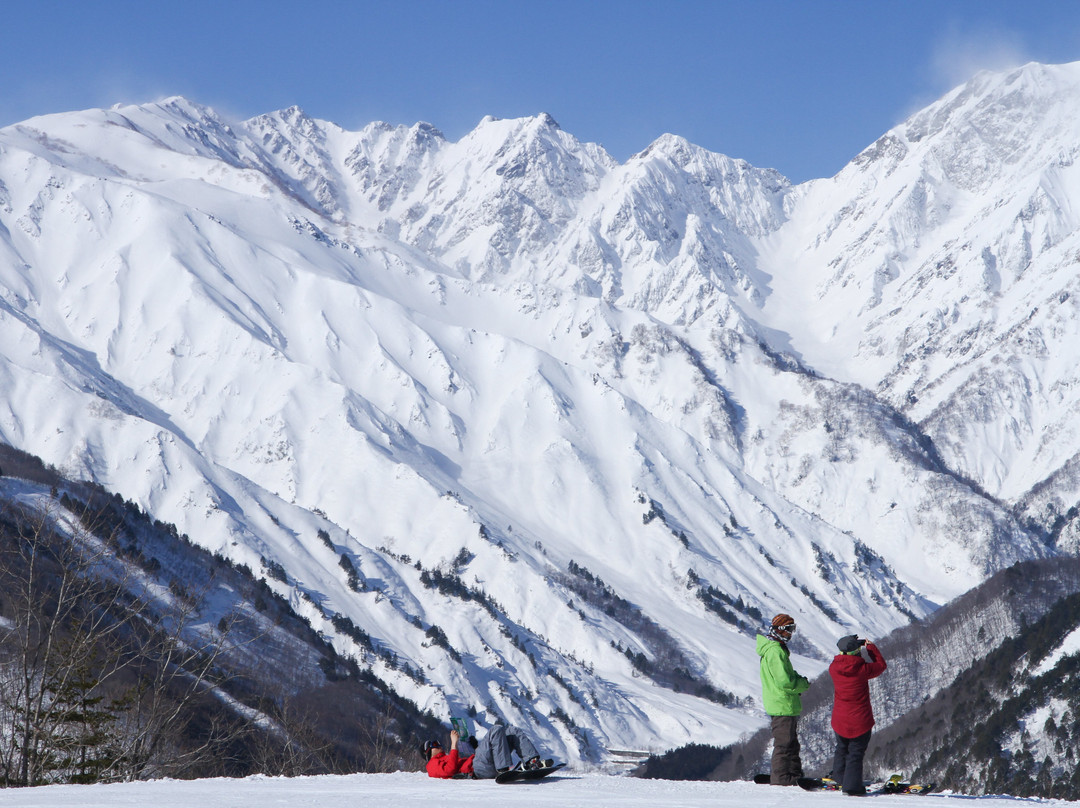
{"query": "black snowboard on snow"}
[(817, 784), (894, 785), (809, 783), (518, 776)]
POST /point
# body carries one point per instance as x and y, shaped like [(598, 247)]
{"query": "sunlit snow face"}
[(603, 353)]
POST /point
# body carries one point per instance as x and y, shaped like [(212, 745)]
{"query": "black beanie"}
[(849, 644)]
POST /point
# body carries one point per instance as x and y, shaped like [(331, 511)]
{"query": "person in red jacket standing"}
[(851, 670)]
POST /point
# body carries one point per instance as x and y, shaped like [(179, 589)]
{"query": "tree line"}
[(127, 652)]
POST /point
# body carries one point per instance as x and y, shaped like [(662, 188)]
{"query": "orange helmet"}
[(783, 620), (782, 627)]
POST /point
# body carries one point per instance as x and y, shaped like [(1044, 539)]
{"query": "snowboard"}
[(818, 784), (894, 785), (905, 788), (809, 783), (519, 775)]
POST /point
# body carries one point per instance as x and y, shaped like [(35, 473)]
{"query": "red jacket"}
[(449, 764), (852, 715)]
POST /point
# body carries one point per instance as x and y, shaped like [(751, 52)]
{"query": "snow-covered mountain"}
[(951, 246), (555, 433)]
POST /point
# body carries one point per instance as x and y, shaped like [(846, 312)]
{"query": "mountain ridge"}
[(1005, 180), (508, 353)]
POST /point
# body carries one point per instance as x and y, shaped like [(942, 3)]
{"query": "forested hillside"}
[(128, 652), (1007, 725)]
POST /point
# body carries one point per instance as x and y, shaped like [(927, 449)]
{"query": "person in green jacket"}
[(781, 689)]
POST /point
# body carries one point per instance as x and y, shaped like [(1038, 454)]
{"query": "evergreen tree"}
[(85, 746)]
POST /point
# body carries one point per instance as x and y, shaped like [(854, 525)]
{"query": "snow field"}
[(569, 790)]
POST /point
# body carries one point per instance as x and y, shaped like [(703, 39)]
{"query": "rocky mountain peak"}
[(450, 388)]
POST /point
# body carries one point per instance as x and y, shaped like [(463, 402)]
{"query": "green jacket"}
[(780, 684)]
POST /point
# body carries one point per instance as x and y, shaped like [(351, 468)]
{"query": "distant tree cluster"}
[(352, 574), (665, 664), (691, 762), (656, 511), (730, 610), (452, 585)]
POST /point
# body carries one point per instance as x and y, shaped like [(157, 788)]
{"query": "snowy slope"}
[(938, 269), (561, 416), (411, 789)]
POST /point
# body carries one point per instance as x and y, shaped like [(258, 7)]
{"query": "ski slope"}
[(374, 790)]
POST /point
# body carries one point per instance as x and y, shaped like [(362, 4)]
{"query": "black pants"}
[(848, 762), (786, 763)]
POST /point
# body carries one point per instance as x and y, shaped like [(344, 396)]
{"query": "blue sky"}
[(797, 86)]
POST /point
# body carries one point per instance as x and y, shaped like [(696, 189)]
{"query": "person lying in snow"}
[(493, 755)]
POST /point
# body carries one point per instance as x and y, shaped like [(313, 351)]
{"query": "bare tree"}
[(179, 662), (382, 742), (100, 665), (286, 741), (62, 622)]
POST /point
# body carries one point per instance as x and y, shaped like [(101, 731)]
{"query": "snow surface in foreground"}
[(565, 791)]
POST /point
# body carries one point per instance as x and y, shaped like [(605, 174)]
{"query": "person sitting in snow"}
[(493, 755)]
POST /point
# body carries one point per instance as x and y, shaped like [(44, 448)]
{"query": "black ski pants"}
[(847, 762), (786, 763)]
